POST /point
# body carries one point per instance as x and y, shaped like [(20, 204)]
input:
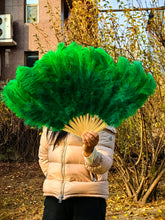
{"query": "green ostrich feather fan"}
[(78, 88)]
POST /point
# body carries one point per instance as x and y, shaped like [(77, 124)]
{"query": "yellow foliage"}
[(140, 139)]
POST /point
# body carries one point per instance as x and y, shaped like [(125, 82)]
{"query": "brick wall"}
[(12, 56)]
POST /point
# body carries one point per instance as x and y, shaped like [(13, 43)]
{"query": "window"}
[(65, 6), (31, 11), (30, 58)]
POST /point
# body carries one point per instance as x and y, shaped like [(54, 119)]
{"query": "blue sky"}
[(113, 2), (143, 3), (131, 4), (32, 1)]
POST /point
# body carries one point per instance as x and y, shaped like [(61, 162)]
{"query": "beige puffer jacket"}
[(68, 174)]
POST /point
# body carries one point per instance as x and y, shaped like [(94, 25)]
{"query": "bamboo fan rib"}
[(83, 123)]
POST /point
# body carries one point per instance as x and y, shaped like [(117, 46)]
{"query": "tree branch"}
[(145, 197)]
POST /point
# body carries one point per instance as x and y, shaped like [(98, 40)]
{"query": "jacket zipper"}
[(94, 177), (63, 171)]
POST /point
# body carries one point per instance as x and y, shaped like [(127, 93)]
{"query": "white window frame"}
[(32, 5)]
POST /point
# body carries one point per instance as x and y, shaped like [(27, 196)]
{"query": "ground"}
[(21, 196)]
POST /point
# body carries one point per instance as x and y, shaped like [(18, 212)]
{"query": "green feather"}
[(76, 80)]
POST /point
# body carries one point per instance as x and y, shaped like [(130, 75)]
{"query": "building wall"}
[(2, 6), (23, 35)]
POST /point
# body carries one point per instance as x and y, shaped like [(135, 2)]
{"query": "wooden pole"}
[(132, 9)]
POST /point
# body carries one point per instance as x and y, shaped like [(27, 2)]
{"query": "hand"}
[(90, 140)]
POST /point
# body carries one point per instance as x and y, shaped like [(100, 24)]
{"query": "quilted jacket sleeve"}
[(103, 155), (43, 152)]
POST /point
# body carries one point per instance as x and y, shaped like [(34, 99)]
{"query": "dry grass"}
[(21, 196)]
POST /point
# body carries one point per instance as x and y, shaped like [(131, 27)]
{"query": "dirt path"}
[(21, 196)]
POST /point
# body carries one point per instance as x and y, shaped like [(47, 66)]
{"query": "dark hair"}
[(60, 136)]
